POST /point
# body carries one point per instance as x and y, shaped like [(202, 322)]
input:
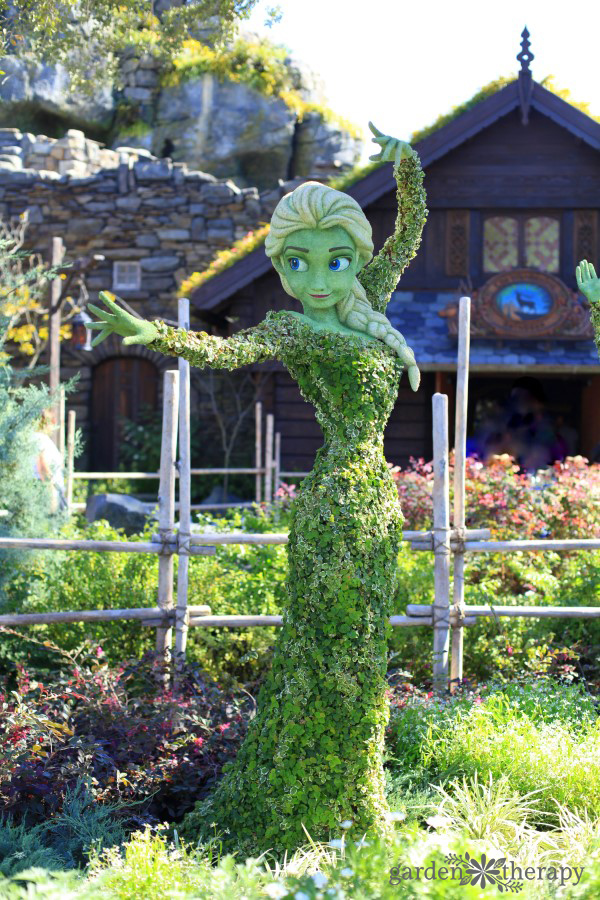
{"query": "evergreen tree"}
[(25, 501)]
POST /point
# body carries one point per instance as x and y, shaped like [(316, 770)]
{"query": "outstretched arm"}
[(252, 345), (200, 349), (589, 285), (381, 276)]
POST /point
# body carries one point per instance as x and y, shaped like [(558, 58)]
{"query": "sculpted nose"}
[(318, 284)]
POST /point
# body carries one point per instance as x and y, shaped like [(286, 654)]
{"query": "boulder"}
[(120, 511), (47, 88), (226, 128), (323, 147), (218, 495)]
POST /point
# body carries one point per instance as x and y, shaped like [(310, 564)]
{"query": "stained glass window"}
[(500, 244), (542, 243), (521, 241)]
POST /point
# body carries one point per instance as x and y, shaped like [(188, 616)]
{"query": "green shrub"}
[(238, 579), (539, 735), (65, 840)]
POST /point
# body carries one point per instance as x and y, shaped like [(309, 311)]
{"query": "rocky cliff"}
[(211, 123)]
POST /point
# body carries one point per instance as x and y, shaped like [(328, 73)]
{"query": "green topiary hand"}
[(392, 150), (118, 321), (587, 281)]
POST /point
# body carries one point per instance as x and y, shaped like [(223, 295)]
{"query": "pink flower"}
[(223, 728), (99, 652)]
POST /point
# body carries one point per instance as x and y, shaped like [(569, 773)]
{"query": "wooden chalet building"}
[(513, 190)]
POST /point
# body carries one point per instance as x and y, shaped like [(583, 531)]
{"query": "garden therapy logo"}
[(481, 872)]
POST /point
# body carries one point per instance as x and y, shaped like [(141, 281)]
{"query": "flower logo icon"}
[(484, 872)]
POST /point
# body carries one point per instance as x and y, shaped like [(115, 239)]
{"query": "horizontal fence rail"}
[(160, 547), (534, 612), (542, 544), (95, 476), (98, 615)]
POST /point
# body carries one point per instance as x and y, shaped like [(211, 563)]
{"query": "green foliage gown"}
[(313, 753)]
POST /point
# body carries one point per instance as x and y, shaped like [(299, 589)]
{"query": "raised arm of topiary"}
[(589, 285), (381, 276)]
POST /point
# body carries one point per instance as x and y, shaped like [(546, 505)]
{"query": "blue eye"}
[(339, 263), (297, 265)]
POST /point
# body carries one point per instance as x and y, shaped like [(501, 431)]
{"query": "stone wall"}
[(126, 205)]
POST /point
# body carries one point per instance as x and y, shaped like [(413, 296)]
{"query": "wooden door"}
[(120, 388)]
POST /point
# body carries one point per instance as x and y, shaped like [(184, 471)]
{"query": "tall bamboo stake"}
[(460, 461), (441, 543), (258, 449), (61, 422), (185, 514), (166, 506), (70, 460), (57, 252), (277, 463), (269, 459)]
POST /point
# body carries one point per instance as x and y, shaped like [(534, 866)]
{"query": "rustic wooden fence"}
[(447, 617)]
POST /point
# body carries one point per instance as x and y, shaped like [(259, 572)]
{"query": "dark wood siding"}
[(508, 166), (408, 432)]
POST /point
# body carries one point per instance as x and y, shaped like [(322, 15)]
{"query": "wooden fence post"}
[(166, 508), (441, 543), (57, 252), (185, 514), (70, 460), (61, 421), (269, 459), (277, 464), (258, 449), (460, 456)]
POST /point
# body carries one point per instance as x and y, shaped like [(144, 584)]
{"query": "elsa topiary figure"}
[(313, 753)]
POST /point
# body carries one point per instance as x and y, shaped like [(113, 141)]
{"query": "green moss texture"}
[(313, 753)]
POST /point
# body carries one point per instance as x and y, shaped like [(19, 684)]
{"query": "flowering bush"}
[(562, 501), (129, 740)]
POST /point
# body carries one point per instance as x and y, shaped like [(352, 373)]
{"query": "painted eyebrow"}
[(302, 249), (331, 249)]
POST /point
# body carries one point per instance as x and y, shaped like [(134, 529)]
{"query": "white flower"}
[(300, 895), (438, 821), (319, 879), (362, 843), (396, 816), (346, 872), (275, 891), (336, 844), (347, 823)]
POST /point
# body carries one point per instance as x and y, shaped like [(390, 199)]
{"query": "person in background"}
[(48, 462)]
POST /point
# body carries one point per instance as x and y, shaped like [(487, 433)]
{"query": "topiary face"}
[(319, 265)]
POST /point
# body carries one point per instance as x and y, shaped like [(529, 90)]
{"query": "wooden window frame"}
[(118, 285), (521, 217)]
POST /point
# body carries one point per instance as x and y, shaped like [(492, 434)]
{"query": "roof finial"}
[(525, 56), (525, 81)]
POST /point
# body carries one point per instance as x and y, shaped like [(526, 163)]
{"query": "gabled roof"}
[(523, 94)]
